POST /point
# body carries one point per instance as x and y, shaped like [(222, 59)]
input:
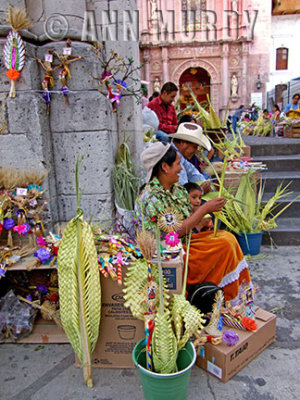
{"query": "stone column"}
[(165, 64), (146, 59), (225, 77), (245, 91)]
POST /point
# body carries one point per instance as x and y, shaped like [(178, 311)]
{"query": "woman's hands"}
[(215, 204)]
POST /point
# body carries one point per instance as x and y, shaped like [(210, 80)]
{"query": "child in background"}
[(195, 194)]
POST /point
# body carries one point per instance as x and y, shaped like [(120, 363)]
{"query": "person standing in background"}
[(236, 116)]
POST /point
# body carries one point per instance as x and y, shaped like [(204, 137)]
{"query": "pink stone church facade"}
[(215, 47)]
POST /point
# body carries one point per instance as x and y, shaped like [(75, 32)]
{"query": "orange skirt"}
[(219, 260)]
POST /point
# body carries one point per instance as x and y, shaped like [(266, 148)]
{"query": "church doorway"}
[(197, 79)]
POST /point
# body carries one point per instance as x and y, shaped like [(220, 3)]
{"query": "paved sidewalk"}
[(47, 372)]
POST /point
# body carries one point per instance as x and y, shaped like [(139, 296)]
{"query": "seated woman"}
[(216, 259)]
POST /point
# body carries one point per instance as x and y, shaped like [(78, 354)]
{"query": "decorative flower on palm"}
[(169, 220), (172, 239)]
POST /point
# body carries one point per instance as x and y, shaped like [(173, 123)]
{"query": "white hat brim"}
[(200, 139)]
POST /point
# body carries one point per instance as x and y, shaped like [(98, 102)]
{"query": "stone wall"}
[(33, 140)]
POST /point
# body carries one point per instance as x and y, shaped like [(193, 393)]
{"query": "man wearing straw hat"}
[(186, 141)]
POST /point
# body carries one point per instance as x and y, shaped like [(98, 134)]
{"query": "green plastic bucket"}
[(165, 386)]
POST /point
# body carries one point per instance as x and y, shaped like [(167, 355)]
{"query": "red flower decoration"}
[(54, 298), (249, 324), (1, 227), (153, 218), (13, 74), (54, 250)]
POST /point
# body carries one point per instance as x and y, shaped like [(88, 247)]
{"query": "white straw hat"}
[(193, 133), (152, 155)]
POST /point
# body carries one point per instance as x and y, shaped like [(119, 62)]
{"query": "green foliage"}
[(248, 213), (125, 182)]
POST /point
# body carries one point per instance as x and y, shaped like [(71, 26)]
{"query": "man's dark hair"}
[(186, 118), (296, 94), (169, 87), (189, 186), (153, 96)]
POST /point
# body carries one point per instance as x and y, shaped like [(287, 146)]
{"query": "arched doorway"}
[(197, 79)]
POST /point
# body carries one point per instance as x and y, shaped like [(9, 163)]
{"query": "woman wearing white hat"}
[(216, 259)]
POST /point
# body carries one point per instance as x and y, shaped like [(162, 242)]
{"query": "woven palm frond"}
[(176, 313), (79, 287), (135, 287), (183, 312), (18, 19), (164, 345), (193, 322)]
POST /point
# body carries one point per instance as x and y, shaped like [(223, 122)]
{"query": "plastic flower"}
[(13, 74), (40, 241), (230, 338), (8, 224), (249, 324), (43, 255), (43, 289), (172, 239), (1, 227), (2, 272), (54, 298), (22, 229)]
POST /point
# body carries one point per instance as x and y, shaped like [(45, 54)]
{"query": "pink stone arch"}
[(210, 68)]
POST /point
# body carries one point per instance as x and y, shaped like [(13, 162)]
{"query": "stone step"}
[(273, 179), (287, 233), (293, 211), (280, 162), (268, 146)]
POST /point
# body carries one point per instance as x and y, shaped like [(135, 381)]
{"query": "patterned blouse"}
[(155, 199)]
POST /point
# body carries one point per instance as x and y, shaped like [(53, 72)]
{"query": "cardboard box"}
[(45, 331), (119, 331), (173, 270), (224, 361)]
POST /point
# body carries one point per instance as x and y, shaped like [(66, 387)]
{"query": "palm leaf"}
[(79, 287), (164, 345)]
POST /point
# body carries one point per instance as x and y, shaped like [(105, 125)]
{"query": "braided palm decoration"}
[(14, 49), (187, 319), (79, 287)]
